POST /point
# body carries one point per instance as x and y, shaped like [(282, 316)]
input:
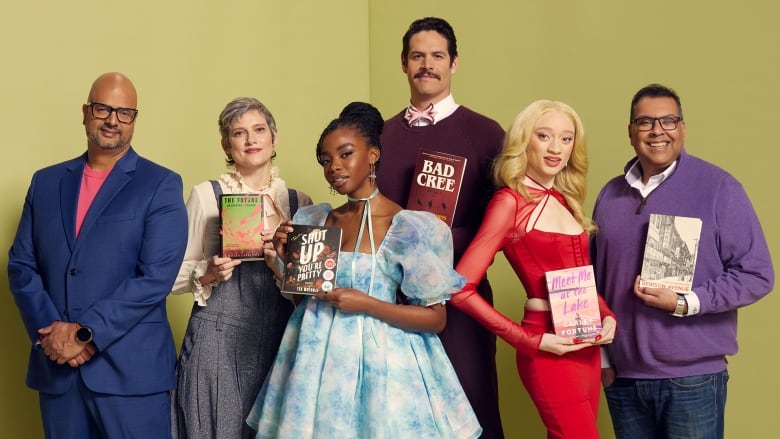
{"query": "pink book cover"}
[(574, 302)]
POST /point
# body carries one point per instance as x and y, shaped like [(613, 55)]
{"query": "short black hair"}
[(436, 24), (654, 91)]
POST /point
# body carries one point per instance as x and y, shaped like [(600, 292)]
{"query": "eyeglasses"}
[(103, 111), (668, 123)]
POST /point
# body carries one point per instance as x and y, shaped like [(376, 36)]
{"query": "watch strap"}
[(678, 310)]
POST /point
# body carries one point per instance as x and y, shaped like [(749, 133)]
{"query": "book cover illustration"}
[(241, 223), (436, 183), (574, 302), (312, 259), (670, 252)]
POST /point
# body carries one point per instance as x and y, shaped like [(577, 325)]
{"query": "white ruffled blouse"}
[(203, 229)]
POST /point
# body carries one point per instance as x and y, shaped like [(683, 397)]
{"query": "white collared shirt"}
[(634, 178)]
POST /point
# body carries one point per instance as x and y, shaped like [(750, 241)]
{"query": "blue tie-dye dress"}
[(342, 375)]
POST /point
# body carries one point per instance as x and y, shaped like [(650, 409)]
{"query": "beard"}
[(118, 144)]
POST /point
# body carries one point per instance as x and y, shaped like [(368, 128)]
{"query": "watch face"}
[(84, 335)]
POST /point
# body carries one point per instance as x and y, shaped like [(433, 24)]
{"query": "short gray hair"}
[(237, 108)]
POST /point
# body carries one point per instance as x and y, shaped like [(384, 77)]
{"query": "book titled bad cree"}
[(436, 183), (574, 302), (312, 259), (241, 223), (670, 252)]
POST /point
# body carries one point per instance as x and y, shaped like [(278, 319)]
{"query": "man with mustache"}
[(434, 121), (99, 244)]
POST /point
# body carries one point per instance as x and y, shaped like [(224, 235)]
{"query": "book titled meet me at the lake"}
[(241, 224), (312, 259), (436, 183), (671, 248), (574, 302)]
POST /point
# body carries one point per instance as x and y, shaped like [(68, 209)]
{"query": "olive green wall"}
[(720, 57), (187, 59), (307, 59)]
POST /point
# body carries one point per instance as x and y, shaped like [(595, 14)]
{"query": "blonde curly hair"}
[(512, 162)]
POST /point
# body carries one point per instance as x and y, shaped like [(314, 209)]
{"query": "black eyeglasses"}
[(103, 111), (668, 123)]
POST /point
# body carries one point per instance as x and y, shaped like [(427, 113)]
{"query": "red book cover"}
[(436, 183), (241, 223), (574, 302), (671, 247), (312, 259)]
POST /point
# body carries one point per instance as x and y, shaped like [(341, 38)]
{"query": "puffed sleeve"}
[(420, 245)]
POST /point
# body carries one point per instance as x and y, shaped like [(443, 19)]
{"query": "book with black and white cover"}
[(671, 247), (312, 259)]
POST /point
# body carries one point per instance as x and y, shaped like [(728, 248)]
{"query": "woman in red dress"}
[(536, 219)]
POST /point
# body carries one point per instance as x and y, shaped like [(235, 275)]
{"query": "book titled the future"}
[(574, 302), (436, 183), (312, 259), (241, 225), (671, 248)]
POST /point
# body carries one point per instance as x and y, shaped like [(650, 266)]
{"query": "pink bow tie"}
[(413, 115)]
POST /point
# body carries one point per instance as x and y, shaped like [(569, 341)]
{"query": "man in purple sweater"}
[(668, 361), (434, 121)]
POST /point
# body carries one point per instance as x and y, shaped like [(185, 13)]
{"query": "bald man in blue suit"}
[(99, 244)]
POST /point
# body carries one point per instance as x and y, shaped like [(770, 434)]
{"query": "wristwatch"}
[(84, 334), (678, 310)]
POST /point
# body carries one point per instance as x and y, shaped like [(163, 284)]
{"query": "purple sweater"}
[(464, 133), (733, 269)]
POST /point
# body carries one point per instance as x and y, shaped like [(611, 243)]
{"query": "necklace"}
[(267, 185)]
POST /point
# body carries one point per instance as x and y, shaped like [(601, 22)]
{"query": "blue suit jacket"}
[(113, 278)]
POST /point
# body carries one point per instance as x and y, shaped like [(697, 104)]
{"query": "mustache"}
[(109, 126), (426, 72)]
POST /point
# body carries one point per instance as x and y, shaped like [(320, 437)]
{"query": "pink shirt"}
[(91, 182)]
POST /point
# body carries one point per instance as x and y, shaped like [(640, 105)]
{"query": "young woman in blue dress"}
[(354, 362)]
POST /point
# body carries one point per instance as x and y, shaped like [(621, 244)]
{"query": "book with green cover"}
[(241, 225)]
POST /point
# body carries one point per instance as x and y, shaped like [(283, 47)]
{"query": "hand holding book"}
[(658, 297), (218, 269)]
